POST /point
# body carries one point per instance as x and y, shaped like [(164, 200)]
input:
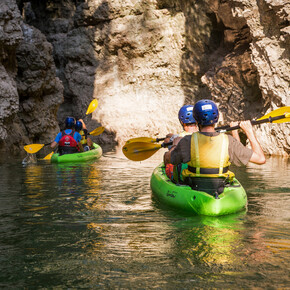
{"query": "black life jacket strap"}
[(208, 170)]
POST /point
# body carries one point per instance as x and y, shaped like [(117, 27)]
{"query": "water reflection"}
[(61, 188), (209, 241), (76, 179), (96, 226)]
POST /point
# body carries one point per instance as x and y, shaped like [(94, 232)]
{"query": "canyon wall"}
[(30, 92), (142, 60)]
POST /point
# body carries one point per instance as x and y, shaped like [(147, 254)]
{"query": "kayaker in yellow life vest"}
[(209, 153), (85, 141), (188, 123)]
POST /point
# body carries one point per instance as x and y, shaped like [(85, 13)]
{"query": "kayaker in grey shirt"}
[(205, 153)]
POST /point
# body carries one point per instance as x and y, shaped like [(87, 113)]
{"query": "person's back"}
[(68, 140), (208, 153), (188, 123)]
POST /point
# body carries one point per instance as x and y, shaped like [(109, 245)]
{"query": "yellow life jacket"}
[(84, 139), (209, 156)]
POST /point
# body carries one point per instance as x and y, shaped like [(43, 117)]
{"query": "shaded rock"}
[(30, 92)]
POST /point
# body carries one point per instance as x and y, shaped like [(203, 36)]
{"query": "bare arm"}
[(258, 156), (167, 155), (235, 133), (53, 145), (84, 125), (90, 142), (81, 147)]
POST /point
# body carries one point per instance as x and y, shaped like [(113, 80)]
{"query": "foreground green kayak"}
[(78, 157), (231, 200)]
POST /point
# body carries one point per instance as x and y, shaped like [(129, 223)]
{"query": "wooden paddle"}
[(33, 148), (141, 148)]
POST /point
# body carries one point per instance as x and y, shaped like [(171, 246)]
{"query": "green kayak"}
[(183, 197), (78, 157)]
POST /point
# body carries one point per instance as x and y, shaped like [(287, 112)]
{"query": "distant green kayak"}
[(78, 157), (183, 197)]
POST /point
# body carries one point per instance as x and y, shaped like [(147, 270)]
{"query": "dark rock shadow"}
[(71, 34)]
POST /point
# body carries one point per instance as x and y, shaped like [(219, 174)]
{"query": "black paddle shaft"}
[(164, 145), (159, 139), (253, 122)]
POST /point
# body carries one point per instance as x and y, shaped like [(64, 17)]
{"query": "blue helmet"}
[(69, 122), (206, 112), (185, 115), (79, 126)]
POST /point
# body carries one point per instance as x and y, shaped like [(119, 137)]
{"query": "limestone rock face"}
[(30, 92), (254, 77), (142, 60)]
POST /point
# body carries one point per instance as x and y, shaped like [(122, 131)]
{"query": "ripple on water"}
[(95, 225)]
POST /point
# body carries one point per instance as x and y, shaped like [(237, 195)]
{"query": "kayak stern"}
[(233, 199)]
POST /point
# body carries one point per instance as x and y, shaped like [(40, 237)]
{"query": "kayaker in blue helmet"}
[(209, 153), (82, 129), (189, 125), (187, 121), (68, 140)]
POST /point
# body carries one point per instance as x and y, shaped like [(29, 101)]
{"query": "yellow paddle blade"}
[(141, 139), (139, 151), (145, 139), (97, 131), (48, 156), (278, 112), (92, 106), (33, 148)]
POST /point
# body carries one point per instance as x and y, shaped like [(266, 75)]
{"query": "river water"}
[(96, 226)]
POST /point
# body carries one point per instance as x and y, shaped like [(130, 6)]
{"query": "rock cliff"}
[(142, 60), (30, 92)]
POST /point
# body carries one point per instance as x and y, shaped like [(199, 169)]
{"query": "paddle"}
[(97, 131), (281, 115), (92, 106), (139, 151), (141, 148), (144, 139), (33, 148), (48, 156)]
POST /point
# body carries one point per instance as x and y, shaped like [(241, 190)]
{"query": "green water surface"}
[(96, 226)]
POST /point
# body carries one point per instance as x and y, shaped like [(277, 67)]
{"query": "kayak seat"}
[(211, 185), (66, 150)]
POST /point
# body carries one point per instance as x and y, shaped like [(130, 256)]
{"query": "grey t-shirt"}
[(238, 153)]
